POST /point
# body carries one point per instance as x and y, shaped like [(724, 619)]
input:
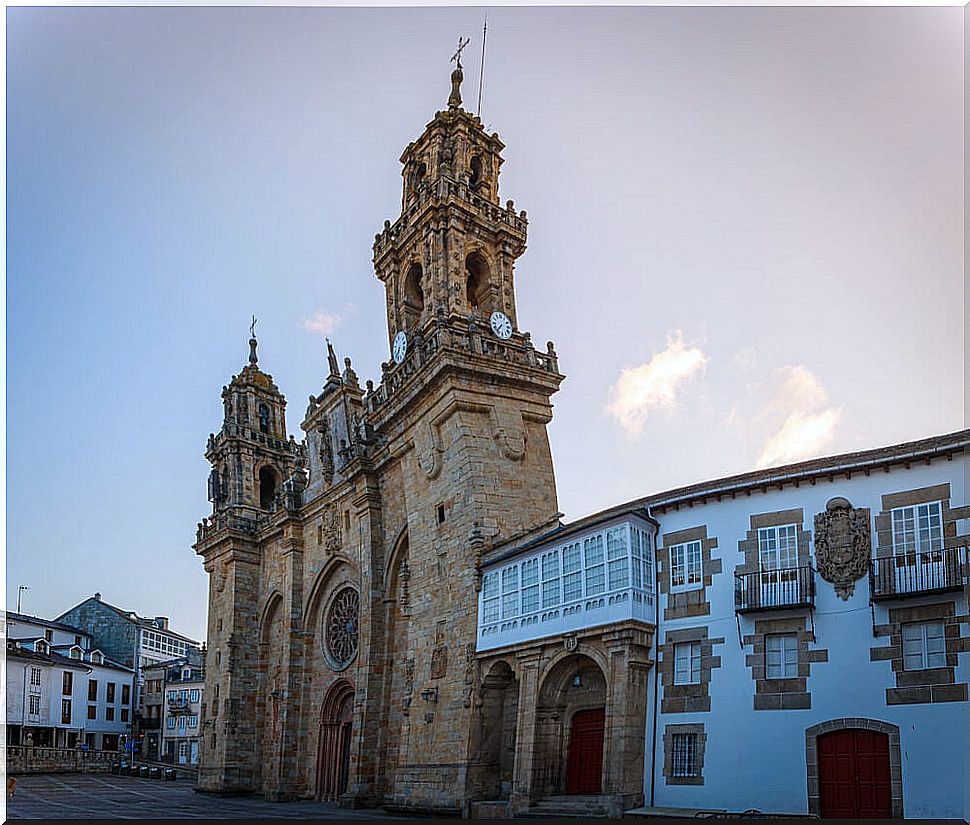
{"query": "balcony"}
[(917, 574), (780, 589)]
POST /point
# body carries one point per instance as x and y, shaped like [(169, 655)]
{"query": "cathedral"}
[(398, 617), (345, 569)]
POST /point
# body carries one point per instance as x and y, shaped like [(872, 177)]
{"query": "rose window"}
[(341, 628)]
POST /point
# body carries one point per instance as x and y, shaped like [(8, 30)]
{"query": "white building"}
[(65, 697), (804, 634)]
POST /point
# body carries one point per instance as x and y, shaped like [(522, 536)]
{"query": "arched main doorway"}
[(333, 751), (570, 729)]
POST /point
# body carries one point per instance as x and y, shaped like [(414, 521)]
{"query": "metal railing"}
[(913, 574), (774, 589)]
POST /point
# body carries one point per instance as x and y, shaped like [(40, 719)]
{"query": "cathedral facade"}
[(398, 617), (345, 569)]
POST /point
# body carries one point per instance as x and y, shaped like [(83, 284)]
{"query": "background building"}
[(61, 693), (172, 715)]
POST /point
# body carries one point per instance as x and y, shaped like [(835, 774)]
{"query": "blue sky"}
[(746, 240)]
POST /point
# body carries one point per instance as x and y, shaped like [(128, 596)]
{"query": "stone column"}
[(525, 732)]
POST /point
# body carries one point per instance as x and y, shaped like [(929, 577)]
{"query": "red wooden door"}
[(853, 775), (584, 772)]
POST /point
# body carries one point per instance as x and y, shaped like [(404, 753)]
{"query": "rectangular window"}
[(617, 557), (109, 714), (183, 696), (172, 696), (34, 704), (778, 547), (595, 572), (126, 694), (170, 723), (687, 663), (917, 530), (49, 635), (685, 755), (92, 711), (92, 690), (193, 721), (923, 646), (35, 676), (490, 599), (124, 714), (685, 566), (572, 565), (181, 723), (550, 579), (530, 586), (65, 711), (781, 656), (510, 592), (111, 691), (194, 695), (67, 683)]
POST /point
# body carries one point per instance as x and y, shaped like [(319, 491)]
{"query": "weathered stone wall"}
[(23, 760)]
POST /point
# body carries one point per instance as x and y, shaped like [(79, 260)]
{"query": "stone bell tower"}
[(451, 253), (460, 449)]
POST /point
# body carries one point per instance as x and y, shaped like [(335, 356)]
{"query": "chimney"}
[(161, 622), (97, 597)]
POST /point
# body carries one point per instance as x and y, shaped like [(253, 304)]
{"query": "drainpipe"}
[(656, 667)]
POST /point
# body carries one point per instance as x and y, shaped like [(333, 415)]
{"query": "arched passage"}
[(496, 734), (333, 750), (570, 729)]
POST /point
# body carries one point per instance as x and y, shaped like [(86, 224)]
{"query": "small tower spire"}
[(332, 359), (454, 99), (252, 343)]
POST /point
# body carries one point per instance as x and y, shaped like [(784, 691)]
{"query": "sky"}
[(745, 239)]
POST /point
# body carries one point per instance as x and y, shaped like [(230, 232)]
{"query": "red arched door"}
[(333, 754), (584, 773), (853, 775)]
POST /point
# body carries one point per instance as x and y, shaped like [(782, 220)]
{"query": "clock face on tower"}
[(400, 347), (501, 325)]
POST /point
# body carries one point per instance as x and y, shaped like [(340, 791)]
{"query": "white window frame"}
[(687, 558), (193, 721), (33, 704), (687, 663), (917, 531), (194, 695), (170, 723), (35, 677), (781, 656), (684, 757), (924, 645)]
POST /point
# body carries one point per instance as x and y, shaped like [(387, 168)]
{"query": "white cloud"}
[(323, 323), (654, 385), (807, 422), (803, 435)]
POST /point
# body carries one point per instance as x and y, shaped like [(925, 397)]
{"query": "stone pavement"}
[(105, 796)]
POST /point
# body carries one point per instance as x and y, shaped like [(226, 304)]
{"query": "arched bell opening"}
[(477, 283), (268, 484)]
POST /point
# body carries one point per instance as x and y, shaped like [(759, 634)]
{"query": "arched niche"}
[(477, 282)]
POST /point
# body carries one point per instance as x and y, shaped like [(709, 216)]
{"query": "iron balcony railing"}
[(913, 574), (774, 589)]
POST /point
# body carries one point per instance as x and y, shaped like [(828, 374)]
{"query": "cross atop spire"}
[(252, 342), (456, 57)]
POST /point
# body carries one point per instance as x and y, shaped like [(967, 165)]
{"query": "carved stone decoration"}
[(510, 435), (470, 673), (570, 642), (408, 686), (428, 450), (326, 452), (439, 662), (843, 545), (404, 599), (332, 539), (341, 628)]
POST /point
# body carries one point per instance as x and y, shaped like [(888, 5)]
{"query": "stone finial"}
[(332, 359), (350, 377), (457, 76), (252, 352)]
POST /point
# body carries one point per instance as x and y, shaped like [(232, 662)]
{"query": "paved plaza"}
[(105, 796)]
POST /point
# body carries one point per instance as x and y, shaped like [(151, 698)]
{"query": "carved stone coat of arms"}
[(842, 545)]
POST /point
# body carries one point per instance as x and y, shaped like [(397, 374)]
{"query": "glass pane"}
[(550, 566), (530, 572), (616, 544), (570, 558), (619, 574), (572, 587), (510, 605), (510, 579), (593, 547), (550, 593), (595, 580), (530, 599), (490, 585)]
